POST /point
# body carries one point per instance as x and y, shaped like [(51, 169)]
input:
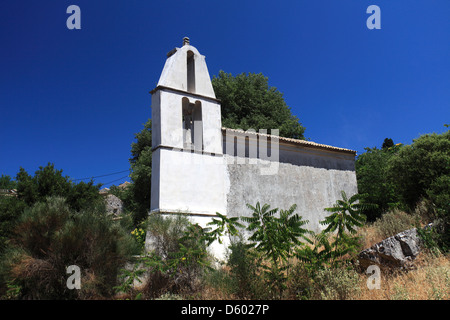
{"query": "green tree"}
[(6, 182), (82, 195), (247, 101), (387, 143), (373, 176), (48, 182), (416, 168), (137, 195), (26, 187), (422, 170)]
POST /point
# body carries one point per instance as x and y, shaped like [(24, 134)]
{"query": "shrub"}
[(10, 210), (165, 232), (177, 257), (300, 282), (50, 237), (246, 278), (335, 284), (439, 195), (393, 222), (47, 182)]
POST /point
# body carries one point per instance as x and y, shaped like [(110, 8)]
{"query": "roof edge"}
[(304, 143)]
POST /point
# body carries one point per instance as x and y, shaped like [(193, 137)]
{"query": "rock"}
[(113, 205), (396, 252)]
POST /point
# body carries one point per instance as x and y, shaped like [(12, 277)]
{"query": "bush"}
[(300, 282), (246, 278), (335, 284), (328, 283), (439, 195), (393, 222), (10, 210), (164, 233), (177, 257), (50, 237), (47, 182)]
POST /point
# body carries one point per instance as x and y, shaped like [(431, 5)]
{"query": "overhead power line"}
[(114, 181), (104, 175)]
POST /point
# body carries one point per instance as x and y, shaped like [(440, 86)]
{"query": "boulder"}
[(396, 252), (113, 205)]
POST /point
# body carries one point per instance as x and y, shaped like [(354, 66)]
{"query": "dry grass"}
[(210, 293), (429, 281), (388, 225)]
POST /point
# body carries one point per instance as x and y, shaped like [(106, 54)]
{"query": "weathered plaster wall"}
[(310, 178), (188, 182)]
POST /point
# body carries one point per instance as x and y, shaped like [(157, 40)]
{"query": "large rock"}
[(396, 252), (113, 205)]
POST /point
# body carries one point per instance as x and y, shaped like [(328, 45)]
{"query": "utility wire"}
[(104, 175), (114, 181)]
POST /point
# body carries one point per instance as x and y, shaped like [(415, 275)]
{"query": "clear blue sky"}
[(76, 98)]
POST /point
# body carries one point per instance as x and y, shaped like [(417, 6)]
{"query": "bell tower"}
[(188, 170)]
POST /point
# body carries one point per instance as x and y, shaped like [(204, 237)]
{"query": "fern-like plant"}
[(224, 226), (276, 238), (337, 239), (318, 255), (346, 216)]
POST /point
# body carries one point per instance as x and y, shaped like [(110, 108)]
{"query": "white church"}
[(200, 168)]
